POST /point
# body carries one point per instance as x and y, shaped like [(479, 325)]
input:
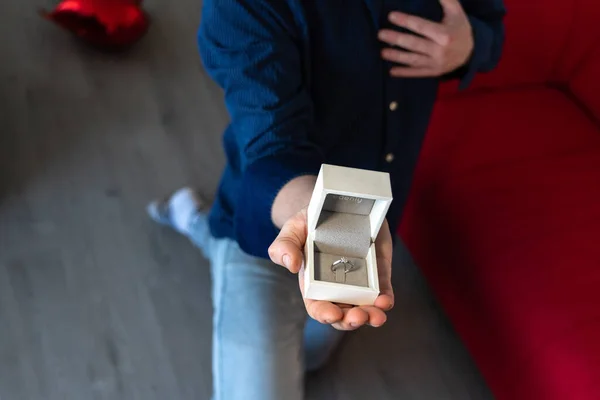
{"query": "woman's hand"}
[(288, 250)]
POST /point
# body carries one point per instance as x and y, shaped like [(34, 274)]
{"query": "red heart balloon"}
[(110, 24)]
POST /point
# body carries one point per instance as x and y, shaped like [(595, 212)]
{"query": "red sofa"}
[(504, 213)]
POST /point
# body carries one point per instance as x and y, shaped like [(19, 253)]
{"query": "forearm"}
[(293, 197)]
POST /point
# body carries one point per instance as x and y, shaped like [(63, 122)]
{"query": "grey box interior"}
[(343, 230)]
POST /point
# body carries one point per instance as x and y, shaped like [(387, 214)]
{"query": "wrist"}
[(293, 197)]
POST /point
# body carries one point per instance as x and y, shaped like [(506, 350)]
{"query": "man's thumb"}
[(287, 249)]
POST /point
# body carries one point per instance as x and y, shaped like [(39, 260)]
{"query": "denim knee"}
[(320, 343)]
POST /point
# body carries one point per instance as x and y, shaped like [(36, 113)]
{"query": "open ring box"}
[(346, 211)]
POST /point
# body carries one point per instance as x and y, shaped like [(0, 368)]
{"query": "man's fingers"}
[(376, 316), (408, 41), (451, 7), (410, 72), (385, 302), (405, 57), (384, 244), (429, 29), (354, 318), (345, 318), (384, 248), (324, 311), (287, 249), (286, 252)]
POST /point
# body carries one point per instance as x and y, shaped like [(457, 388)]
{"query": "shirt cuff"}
[(262, 181), (483, 41)]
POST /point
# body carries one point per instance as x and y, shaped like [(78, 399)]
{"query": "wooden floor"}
[(98, 303)]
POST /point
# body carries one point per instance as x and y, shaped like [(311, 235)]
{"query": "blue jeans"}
[(263, 339)]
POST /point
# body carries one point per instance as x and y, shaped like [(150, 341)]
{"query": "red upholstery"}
[(547, 42), (504, 214), (585, 84)]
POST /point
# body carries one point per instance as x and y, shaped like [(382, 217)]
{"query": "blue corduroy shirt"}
[(305, 84)]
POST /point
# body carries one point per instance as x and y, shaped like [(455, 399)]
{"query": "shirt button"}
[(389, 157), (393, 106)]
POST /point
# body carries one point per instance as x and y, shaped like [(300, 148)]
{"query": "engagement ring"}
[(348, 265)]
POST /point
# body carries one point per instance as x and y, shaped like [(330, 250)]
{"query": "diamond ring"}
[(348, 265)]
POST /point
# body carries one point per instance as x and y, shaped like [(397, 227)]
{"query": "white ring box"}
[(346, 211)]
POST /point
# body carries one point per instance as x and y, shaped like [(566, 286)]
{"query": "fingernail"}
[(287, 260), (394, 16)]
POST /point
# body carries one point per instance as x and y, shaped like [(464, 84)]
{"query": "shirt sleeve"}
[(248, 48), (486, 18)]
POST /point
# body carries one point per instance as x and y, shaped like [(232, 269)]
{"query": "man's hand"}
[(287, 250), (442, 48)]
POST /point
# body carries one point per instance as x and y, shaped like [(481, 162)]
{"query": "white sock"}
[(183, 205)]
